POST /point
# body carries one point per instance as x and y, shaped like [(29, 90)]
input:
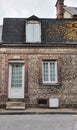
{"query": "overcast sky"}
[(26, 8)]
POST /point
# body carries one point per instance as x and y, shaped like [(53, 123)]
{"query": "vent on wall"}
[(42, 102)]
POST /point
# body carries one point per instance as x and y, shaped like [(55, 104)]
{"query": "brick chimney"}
[(59, 8)]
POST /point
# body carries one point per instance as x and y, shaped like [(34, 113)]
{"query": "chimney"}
[(59, 8)]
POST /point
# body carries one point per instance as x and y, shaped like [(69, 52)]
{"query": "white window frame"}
[(31, 37), (56, 75)]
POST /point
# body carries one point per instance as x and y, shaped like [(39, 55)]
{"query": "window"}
[(49, 71), (16, 75), (33, 31), (0, 32), (42, 102)]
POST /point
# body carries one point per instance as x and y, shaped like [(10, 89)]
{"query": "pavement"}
[(39, 111)]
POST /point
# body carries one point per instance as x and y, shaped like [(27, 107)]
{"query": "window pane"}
[(52, 71), (45, 71), (16, 75)]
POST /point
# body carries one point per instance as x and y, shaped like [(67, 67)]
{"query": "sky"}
[(26, 8)]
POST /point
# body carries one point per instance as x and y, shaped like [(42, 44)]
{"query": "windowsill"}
[(51, 84)]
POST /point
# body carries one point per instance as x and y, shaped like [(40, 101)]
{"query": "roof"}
[(33, 17), (52, 30), (71, 10)]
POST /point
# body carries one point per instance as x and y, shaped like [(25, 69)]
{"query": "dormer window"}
[(0, 33), (33, 31)]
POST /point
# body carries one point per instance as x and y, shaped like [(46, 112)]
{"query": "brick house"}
[(65, 11), (38, 62)]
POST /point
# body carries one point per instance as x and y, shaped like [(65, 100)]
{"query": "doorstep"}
[(15, 105)]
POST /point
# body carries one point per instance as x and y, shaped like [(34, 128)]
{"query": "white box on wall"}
[(53, 102)]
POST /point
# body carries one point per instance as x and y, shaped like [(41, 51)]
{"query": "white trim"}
[(23, 78), (9, 81), (17, 61)]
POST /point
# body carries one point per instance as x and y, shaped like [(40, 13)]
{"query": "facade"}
[(65, 11), (38, 62)]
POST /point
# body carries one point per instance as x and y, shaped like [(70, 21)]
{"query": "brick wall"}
[(65, 90)]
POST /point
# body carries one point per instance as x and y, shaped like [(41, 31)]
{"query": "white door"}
[(16, 80)]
